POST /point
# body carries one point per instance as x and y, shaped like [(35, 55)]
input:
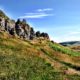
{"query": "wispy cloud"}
[(40, 13), (74, 32), (46, 9), (65, 38), (34, 15)]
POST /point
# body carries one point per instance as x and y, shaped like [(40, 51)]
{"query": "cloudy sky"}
[(59, 18)]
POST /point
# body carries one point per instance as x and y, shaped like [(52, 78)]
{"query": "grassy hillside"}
[(36, 60)]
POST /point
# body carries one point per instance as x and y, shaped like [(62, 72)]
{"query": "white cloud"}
[(66, 38), (74, 32), (40, 13), (36, 15), (71, 38), (46, 9)]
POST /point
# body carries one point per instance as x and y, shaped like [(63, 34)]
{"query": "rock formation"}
[(20, 28)]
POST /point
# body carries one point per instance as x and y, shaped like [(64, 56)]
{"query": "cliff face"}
[(19, 28)]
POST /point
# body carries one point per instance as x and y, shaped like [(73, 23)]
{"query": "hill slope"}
[(75, 45), (39, 59), (71, 43)]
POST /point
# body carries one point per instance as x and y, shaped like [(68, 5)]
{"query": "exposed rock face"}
[(2, 23), (20, 28), (28, 28), (44, 35)]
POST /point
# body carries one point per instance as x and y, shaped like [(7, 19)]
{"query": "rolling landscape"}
[(40, 40), (37, 59)]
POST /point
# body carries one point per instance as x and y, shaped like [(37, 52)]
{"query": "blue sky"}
[(59, 18)]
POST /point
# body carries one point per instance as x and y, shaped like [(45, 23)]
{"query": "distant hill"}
[(71, 43)]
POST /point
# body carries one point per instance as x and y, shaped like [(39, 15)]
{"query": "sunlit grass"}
[(21, 60), (64, 50)]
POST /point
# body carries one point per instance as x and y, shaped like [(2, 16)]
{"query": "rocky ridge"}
[(20, 28)]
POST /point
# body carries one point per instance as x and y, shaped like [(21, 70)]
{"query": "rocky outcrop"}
[(44, 35), (20, 28)]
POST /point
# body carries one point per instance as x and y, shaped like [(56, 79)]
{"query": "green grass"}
[(64, 50), (16, 65), (60, 61), (31, 68)]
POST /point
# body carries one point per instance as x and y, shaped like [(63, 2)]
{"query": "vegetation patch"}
[(64, 50)]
